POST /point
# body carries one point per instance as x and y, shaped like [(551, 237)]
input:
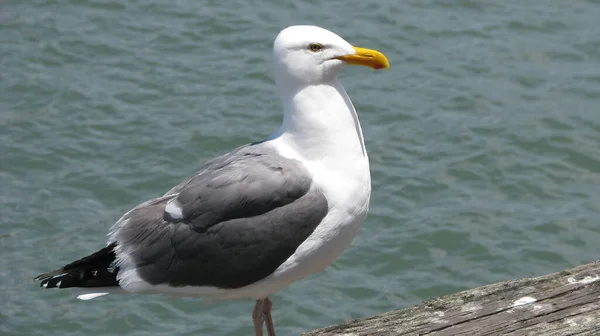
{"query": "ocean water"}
[(484, 142)]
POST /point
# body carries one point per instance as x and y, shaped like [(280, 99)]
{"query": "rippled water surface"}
[(484, 140)]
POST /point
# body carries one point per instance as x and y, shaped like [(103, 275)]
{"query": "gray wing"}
[(228, 226)]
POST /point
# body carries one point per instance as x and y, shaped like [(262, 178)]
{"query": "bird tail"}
[(96, 270)]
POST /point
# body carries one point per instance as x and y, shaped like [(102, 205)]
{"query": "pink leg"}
[(258, 317), (267, 304)]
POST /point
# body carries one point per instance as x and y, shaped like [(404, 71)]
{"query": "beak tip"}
[(381, 66)]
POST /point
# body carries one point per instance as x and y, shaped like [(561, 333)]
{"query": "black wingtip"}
[(95, 270), (48, 275), (51, 279)]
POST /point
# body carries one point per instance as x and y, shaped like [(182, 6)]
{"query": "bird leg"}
[(267, 304), (260, 314), (258, 317)]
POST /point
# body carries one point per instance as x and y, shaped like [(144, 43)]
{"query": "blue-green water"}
[(484, 139)]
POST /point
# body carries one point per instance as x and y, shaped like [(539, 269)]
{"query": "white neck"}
[(321, 124)]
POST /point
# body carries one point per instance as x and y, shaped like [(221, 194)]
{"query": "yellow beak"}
[(366, 57)]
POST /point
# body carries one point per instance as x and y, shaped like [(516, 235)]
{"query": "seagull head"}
[(309, 55)]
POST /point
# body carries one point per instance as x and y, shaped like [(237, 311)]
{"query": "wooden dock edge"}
[(558, 304)]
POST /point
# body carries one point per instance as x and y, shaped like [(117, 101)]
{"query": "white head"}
[(308, 55)]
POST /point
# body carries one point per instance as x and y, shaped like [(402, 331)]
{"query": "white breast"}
[(348, 193)]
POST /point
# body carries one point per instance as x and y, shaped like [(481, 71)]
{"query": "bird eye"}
[(315, 47)]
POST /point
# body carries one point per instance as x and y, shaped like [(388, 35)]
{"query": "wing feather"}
[(241, 216)]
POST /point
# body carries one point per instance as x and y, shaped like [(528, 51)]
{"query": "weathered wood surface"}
[(559, 304)]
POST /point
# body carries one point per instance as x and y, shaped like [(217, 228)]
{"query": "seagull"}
[(252, 221)]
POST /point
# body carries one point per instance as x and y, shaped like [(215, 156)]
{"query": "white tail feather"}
[(90, 296)]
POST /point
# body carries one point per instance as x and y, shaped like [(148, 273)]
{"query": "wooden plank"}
[(558, 304)]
